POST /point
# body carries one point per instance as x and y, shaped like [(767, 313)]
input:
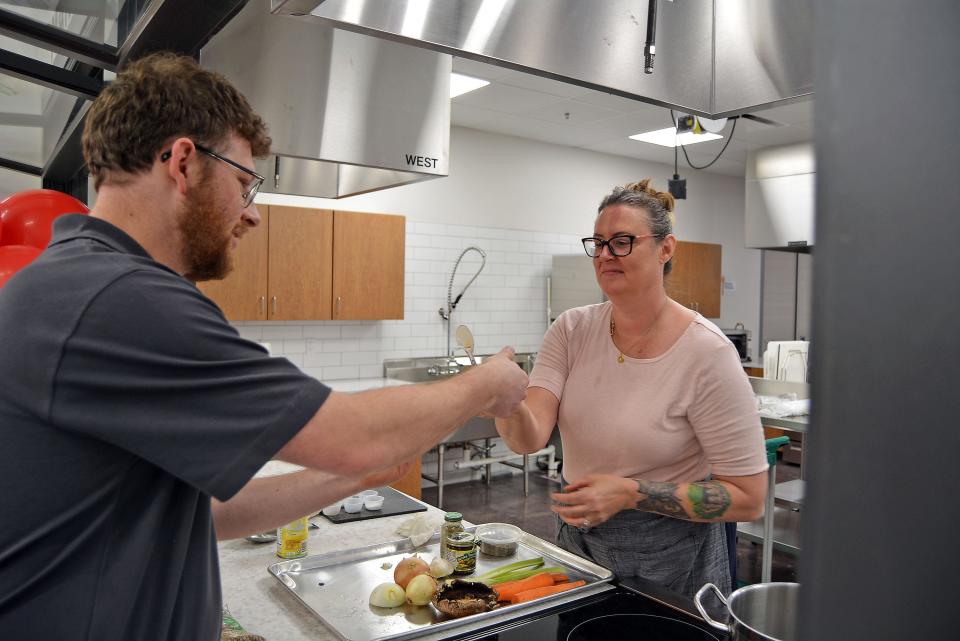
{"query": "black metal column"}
[(879, 557), (183, 26)]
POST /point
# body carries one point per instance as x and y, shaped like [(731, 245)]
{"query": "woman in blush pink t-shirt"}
[(661, 438)]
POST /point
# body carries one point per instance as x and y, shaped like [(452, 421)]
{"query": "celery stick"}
[(510, 567), (522, 574)]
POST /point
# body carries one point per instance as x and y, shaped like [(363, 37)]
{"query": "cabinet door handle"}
[(263, 306), (273, 301), (336, 313)]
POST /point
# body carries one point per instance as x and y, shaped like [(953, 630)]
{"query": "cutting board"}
[(393, 503)]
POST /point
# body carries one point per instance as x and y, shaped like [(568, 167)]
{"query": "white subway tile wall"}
[(506, 305)]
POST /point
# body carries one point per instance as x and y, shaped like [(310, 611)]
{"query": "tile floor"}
[(503, 501)]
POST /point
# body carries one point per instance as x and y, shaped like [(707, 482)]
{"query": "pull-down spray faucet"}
[(445, 313)]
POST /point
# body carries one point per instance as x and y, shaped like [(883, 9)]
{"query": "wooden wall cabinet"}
[(242, 295), (368, 264), (696, 279), (410, 483), (315, 264)]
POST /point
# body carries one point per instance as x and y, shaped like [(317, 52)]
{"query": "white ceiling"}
[(528, 106)]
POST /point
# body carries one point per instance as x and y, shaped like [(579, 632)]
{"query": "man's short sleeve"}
[(154, 368)]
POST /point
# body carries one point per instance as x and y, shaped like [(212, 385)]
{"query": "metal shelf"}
[(786, 530), (790, 493)]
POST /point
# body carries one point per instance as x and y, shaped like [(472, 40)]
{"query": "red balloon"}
[(13, 258), (27, 216)]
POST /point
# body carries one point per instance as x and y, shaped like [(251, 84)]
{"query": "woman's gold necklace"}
[(613, 328)]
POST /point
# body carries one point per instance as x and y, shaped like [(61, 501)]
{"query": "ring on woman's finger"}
[(585, 524)]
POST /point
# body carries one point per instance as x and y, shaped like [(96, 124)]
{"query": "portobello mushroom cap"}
[(462, 598)]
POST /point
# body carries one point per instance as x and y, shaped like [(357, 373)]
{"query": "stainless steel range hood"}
[(713, 57), (348, 113)]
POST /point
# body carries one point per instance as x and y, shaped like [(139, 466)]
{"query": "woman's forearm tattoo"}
[(660, 497), (710, 499)]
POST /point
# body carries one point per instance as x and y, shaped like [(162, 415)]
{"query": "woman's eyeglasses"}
[(255, 183), (620, 245)]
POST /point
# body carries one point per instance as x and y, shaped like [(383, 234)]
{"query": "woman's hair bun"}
[(643, 186)]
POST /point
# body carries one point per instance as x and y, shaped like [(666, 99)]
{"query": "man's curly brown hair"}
[(159, 97)]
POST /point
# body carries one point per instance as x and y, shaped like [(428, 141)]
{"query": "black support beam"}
[(44, 36), (15, 165), (182, 26), (50, 76)]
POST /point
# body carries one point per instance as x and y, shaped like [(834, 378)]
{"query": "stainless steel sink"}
[(437, 368), (434, 368)]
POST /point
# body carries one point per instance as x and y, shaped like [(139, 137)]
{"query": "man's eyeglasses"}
[(619, 245), (251, 190)]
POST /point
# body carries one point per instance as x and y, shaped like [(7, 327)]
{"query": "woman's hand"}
[(594, 499)]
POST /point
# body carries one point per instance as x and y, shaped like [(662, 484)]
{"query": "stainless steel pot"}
[(759, 612)]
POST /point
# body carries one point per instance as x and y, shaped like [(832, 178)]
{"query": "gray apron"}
[(676, 554)]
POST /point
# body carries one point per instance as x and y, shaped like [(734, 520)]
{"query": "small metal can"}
[(462, 548)]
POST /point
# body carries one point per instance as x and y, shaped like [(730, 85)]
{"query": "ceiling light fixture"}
[(461, 84), (669, 138)]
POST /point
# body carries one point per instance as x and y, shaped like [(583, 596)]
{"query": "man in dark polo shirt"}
[(133, 416)]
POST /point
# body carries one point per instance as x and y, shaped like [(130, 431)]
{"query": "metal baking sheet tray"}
[(337, 586)]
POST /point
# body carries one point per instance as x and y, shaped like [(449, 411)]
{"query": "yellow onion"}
[(409, 568), (387, 595), (421, 589)]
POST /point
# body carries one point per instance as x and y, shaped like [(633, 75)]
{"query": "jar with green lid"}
[(462, 548), (452, 523)]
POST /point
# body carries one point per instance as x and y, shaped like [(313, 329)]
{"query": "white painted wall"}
[(506, 305), (12, 182), (501, 183)]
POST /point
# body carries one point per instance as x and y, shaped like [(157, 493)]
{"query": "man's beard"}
[(206, 250)]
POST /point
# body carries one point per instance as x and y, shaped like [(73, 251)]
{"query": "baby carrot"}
[(506, 591), (536, 593), (559, 578)]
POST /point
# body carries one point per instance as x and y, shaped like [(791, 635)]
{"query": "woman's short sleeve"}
[(552, 367)]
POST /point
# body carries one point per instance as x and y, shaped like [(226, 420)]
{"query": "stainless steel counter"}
[(768, 387), (790, 423)]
